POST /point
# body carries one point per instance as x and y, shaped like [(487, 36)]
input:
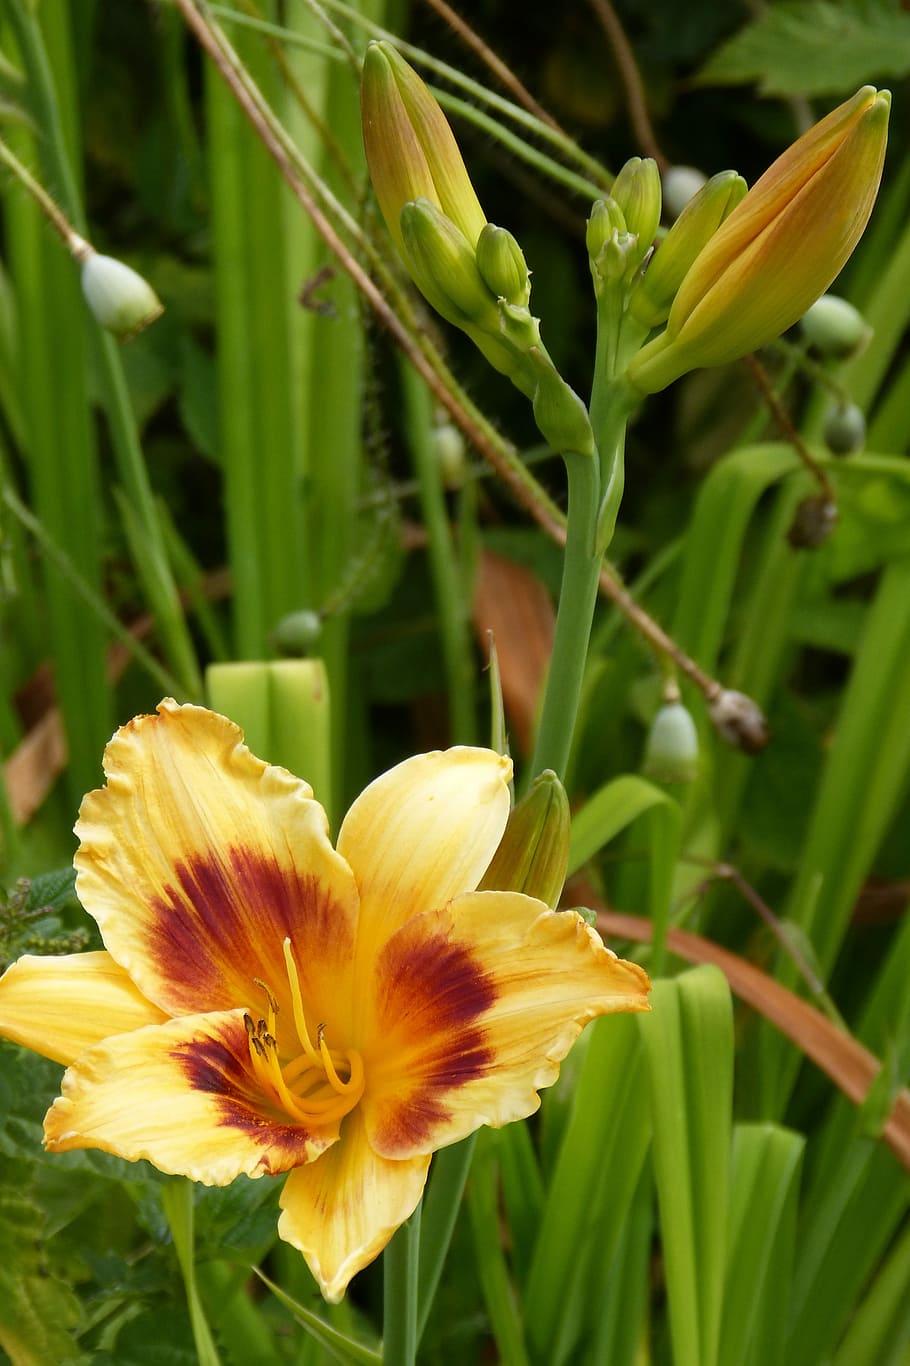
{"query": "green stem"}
[(451, 611), (177, 1203), (577, 598), (443, 1201), (401, 1262)]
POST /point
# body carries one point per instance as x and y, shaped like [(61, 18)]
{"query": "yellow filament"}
[(309, 1073), (297, 1006)]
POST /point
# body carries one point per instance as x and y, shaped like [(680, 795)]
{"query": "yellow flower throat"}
[(310, 1088)]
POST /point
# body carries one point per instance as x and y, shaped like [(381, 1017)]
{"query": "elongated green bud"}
[(671, 752), (443, 265), (637, 192), (120, 299), (606, 218), (558, 411), (834, 327), (533, 855), (696, 225), (502, 265)]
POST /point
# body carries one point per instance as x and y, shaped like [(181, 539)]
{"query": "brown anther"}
[(320, 1034), (273, 1004)]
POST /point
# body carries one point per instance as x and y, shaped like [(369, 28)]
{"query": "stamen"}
[(297, 1006), (273, 1004)]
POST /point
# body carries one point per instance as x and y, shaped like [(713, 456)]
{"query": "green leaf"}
[(340, 1347), (815, 47), (38, 1311), (688, 1040)]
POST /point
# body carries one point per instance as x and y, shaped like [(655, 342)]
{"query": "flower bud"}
[(696, 225), (120, 299), (813, 522), (443, 266), (834, 327), (502, 265), (533, 855), (671, 750), (560, 415), (680, 184), (297, 633), (410, 148), (449, 449), (779, 249), (845, 429), (740, 721), (606, 218), (637, 192)]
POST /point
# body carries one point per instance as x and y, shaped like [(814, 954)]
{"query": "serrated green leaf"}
[(815, 47)]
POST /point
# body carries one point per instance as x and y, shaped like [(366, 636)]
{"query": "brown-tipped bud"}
[(533, 855), (671, 751), (739, 721), (814, 521), (502, 265)]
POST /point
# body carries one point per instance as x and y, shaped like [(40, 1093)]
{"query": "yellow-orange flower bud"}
[(410, 148), (779, 249)]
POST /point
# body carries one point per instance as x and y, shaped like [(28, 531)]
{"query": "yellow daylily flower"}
[(267, 1003)]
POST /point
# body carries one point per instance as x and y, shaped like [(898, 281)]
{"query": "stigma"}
[(319, 1085)]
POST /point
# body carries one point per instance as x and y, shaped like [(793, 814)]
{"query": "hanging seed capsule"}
[(835, 328), (120, 299), (671, 750), (845, 429)]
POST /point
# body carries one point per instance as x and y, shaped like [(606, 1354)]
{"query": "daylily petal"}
[(60, 1006), (474, 1008), (421, 834), (197, 859), (342, 1210), (182, 1095)]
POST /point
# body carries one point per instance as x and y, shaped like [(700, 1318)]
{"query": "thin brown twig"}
[(784, 422), (631, 79), (496, 452), (490, 59)]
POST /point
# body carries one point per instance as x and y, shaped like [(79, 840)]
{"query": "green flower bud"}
[(834, 327), (654, 294), (637, 192), (671, 750), (120, 299), (558, 411), (533, 855), (606, 218), (449, 449), (297, 633), (680, 184), (443, 266), (845, 429), (502, 265)]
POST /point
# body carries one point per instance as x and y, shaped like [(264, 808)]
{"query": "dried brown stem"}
[(785, 424), (498, 453), (506, 77), (639, 117)]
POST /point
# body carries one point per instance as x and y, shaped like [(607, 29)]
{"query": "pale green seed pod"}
[(533, 855), (680, 184), (671, 750), (844, 431), (449, 450), (297, 633), (121, 301), (835, 328), (502, 265)]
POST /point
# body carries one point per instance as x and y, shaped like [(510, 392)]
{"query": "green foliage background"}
[(693, 1191)]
